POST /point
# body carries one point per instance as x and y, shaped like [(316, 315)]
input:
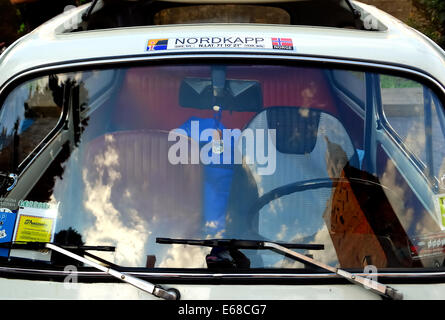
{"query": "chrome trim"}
[(39, 148), (393, 133), (14, 177), (403, 148)]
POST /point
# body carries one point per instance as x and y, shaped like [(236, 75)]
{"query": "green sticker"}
[(34, 204), (440, 209), (441, 200)]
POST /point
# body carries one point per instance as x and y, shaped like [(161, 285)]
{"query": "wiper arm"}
[(372, 285), (156, 290), (284, 249)]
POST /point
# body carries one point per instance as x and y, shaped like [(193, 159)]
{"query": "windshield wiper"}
[(156, 290), (41, 246), (284, 249), (236, 243)]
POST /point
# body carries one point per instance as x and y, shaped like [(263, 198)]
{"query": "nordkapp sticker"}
[(216, 42)]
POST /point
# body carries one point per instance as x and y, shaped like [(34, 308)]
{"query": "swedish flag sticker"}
[(157, 44)]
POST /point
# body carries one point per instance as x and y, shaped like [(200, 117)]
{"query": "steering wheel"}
[(307, 185)]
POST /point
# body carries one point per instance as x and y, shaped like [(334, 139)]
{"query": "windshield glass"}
[(351, 160)]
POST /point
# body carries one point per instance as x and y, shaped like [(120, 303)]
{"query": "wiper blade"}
[(42, 245), (237, 244), (156, 290), (284, 249)]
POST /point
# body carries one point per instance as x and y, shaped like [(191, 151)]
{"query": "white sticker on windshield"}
[(228, 42)]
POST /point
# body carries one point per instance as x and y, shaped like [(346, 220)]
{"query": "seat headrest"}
[(296, 128)]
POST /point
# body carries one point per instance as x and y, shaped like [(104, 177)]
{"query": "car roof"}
[(397, 44)]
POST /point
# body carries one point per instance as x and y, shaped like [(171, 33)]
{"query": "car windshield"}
[(348, 159)]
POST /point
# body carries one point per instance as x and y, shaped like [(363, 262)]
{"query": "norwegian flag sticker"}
[(282, 44)]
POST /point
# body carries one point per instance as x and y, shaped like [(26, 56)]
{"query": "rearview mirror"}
[(238, 95)]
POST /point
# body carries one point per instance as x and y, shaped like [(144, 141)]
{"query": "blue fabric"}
[(217, 178), (26, 124), (361, 155)]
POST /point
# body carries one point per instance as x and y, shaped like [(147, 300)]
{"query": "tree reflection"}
[(67, 237), (362, 223)]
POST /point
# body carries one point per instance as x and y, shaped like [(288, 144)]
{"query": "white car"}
[(222, 150)]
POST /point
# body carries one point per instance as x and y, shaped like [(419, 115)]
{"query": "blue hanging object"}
[(217, 177)]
